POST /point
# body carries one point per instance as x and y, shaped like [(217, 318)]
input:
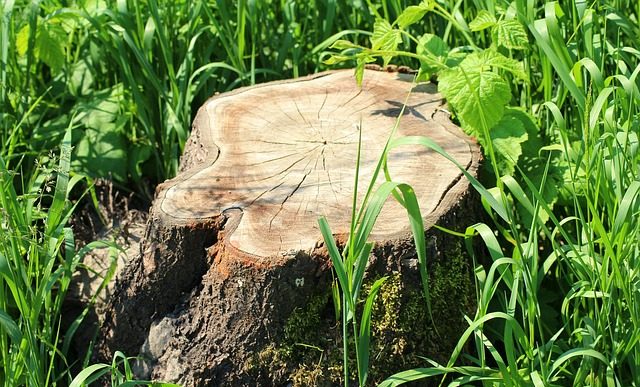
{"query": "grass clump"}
[(37, 260)]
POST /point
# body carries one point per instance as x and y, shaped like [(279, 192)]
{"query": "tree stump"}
[(233, 265)]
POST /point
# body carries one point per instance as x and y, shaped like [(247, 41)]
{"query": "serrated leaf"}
[(511, 34), (492, 58), (507, 137), (413, 14), (483, 21), (477, 94), (385, 38), (49, 45), (432, 46)]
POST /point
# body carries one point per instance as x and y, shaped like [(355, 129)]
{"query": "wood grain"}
[(280, 155)]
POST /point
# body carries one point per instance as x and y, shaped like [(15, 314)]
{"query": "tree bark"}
[(232, 248)]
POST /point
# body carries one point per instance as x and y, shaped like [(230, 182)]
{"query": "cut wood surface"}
[(232, 248), (283, 154)]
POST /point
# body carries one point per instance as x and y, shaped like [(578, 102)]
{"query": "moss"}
[(311, 352)]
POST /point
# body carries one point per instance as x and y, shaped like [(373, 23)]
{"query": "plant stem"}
[(345, 341)]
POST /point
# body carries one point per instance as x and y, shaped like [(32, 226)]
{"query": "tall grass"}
[(37, 259)]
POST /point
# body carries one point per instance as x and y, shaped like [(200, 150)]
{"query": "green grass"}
[(37, 259), (109, 89)]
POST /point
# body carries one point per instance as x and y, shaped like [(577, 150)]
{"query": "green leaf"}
[(95, 7), (336, 260), (22, 40), (102, 150), (478, 96), (90, 374), (361, 61), (9, 326), (476, 92), (434, 47), (344, 45), (81, 80), (482, 21), (60, 198), (430, 44), (336, 58), (533, 165), (385, 38), (413, 14), (139, 153), (511, 34), (507, 137), (492, 58), (359, 267), (365, 332), (50, 40)]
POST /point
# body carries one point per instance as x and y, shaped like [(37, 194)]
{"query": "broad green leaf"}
[(511, 34), (139, 153), (50, 40), (413, 14), (102, 153), (103, 147), (385, 38), (532, 167), (507, 137), (476, 92), (81, 80), (483, 21), (478, 96), (431, 44), (434, 47), (68, 19), (95, 7), (491, 58)]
